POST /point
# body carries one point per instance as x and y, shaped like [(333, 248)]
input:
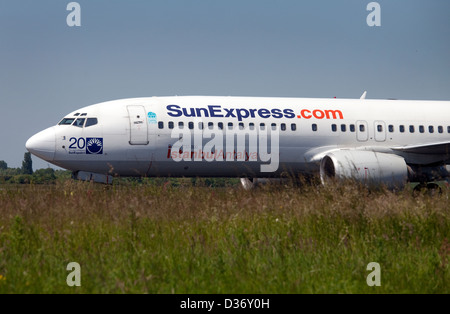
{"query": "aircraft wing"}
[(442, 148)]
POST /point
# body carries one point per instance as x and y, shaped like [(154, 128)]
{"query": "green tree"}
[(3, 165), (44, 176), (27, 164)]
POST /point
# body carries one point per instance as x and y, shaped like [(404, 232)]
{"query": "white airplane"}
[(383, 142)]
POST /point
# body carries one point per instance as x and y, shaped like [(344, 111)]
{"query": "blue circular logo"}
[(94, 146)]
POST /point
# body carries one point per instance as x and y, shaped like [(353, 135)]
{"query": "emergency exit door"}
[(362, 133), (380, 131), (138, 125)]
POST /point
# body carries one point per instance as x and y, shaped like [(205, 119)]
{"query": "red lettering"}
[(304, 115), (334, 113), (318, 114), (321, 114)]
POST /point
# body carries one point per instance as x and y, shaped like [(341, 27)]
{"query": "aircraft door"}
[(362, 132), (138, 125), (380, 131)]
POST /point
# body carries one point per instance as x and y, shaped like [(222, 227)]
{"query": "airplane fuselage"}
[(212, 136)]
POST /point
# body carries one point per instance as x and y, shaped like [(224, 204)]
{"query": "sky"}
[(283, 48)]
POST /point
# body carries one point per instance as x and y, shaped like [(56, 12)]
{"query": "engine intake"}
[(367, 167)]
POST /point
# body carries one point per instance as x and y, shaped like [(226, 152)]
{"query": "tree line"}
[(26, 175)]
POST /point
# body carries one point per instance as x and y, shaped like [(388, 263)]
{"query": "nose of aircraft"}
[(43, 144)]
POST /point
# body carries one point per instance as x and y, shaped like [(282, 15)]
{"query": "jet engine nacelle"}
[(368, 167)]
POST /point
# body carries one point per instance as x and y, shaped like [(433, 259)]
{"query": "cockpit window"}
[(66, 121), (91, 122), (79, 122)]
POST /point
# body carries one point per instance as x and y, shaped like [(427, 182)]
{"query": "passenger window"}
[(160, 125), (440, 129), (448, 129), (274, 126), (431, 129), (171, 126), (79, 122), (314, 127), (251, 126), (352, 128), (402, 128), (181, 124), (220, 125), (230, 125), (343, 128), (66, 121), (411, 129), (191, 125), (283, 126), (210, 125), (391, 128), (200, 125), (362, 128), (241, 126), (421, 129), (293, 127), (334, 127), (379, 128), (262, 126)]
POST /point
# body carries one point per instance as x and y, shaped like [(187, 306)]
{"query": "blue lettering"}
[(276, 113), (200, 110), (240, 115), (72, 145), (289, 113), (229, 113), (78, 143), (264, 113), (192, 114), (213, 111), (216, 111), (175, 108)]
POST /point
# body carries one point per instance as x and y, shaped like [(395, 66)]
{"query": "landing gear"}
[(247, 183), (432, 189)]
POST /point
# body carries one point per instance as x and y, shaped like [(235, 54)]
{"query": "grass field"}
[(162, 239)]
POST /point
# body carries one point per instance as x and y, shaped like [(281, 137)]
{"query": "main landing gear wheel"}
[(432, 189)]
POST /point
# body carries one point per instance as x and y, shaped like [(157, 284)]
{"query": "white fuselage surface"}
[(250, 137)]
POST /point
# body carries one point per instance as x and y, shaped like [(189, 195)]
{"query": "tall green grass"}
[(161, 239)]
